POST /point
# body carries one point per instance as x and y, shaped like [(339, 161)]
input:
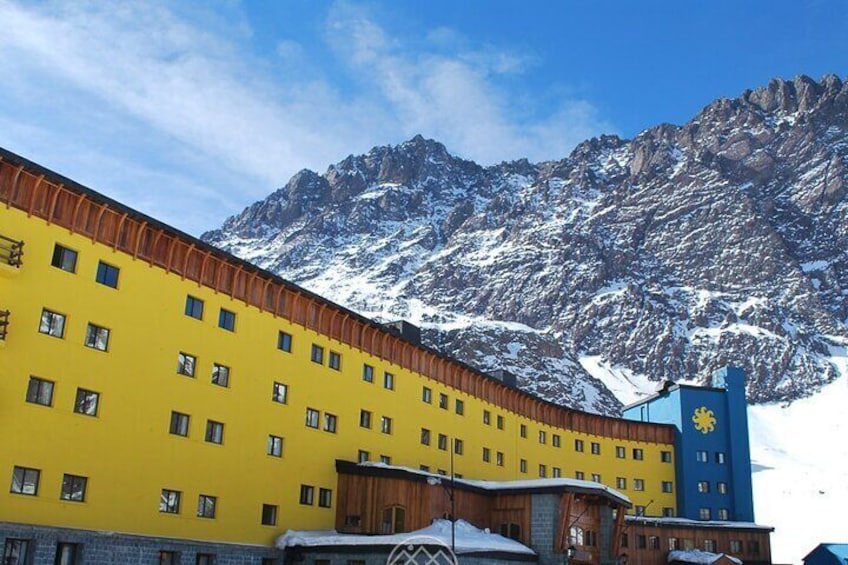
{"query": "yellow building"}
[(151, 385)]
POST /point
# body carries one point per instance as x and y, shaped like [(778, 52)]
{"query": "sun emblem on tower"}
[(704, 420)]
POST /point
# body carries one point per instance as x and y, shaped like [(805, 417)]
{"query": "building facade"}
[(158, 388)]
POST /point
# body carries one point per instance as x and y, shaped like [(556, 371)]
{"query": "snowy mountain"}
[(721, 241)]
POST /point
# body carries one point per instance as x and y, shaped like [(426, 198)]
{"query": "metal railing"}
[(11, 251), (4, 324)]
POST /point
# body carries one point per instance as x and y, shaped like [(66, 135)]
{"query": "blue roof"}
[(838, 550)]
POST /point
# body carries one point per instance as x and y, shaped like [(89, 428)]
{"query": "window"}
[(704, 513), (368, 373), (269, 515), (386, 425), (735, 546), (487, 417), (425, 436), (556, 440), (620, 482), (721, 487), (499, 459), (443, 401), (107, 274), (522, 430), (500, 421), (579, 475), (284, 341), (280, 393), (65, 259), (205, 559), (325, 498), (186, 364), (169, 558), (353, 520), (40, 391), (672, 544), (96, 337), (16, 551), (214, 432), (275, 446), (703, 486), (317, 355), (179, 424), (169, 501), (385, 459), (641, 542), (543, 437), (638, 484), (620, 452), (625, 540), (331, 422), (443, 442), (460, 407), (206, 506), (668, 512), (393, 521), (710, 545), (556, 472), (194, 307), (522, 465), (457, 446), (365, 419), (578, 445), (86, 402), (665, 456), (363, 456), (66, 554), (426, 395), (701, 456), (596, 477), (312, 418), (388, 381), (596, 448), (227, 320), (723, 514), (425, 468), (667, 486), (25, 481), (638, 454), (653, 542), (335, 361), (52, 323), (719, 457), (639, 510), (220, 375), (307, 495), (487, 455), (753, 547), (543, 471)]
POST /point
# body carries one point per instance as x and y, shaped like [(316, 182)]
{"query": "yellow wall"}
[(128, 454)]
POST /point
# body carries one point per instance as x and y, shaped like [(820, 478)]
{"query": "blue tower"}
[(713, 458)]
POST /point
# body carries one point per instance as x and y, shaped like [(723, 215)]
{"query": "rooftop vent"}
[(404, 329), (505, 377)]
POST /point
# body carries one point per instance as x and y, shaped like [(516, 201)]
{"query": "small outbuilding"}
[(828, 554), (697, 557)]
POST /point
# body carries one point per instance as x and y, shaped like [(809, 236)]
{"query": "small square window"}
[(735, 546), (363, 456), (703, 486), (227, 320), (522, 430), (269, 515), (220, 375), (86, 402), (457, 446), (667, 486), (721, 487), (317, 355), (388, 381), (487, 417), (620, 452), (543, 437), (460, 407), (325, 498), (638, 484), (701, 456), (25, 481), (64, 258), (368, 373), (284, 342), (442, 442), (522, 465), (179, 424), (668, 512), (579, 475), (73, 488), (499, 459), (543, 471), (186, 364), (365, 419), (206, 506), (280, 393), (52, 323), (487, 455), (426, 395), (719, 457), (386, 425), (275, 446), (194, 307), (334, 361), (596, 477), (312, 418), (39, 391), (330, 422), (638, 454), (443, 401), (556, 440), (107, 274), (96, 337), (665, 456), (621, 483), (596, 448), (723, 514), (500, 421), (385, 460), (214, 432), (425, 436), (307, 495), (704, 513), (556, 472), (169, 501), (578, 445)]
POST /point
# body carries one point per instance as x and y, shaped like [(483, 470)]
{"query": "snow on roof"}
[(697, 523), (469, 539), (510, 485), (698, 557)]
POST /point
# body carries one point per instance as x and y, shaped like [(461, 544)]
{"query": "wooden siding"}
[(696, 535), (45, 195)]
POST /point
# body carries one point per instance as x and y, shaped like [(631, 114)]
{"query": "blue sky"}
[(191, 111)]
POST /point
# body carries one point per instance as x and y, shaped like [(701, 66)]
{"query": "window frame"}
[(280, 393), (23, 476), (217, 370), (325, 498), (388, 380), (313, 418), (366, 419), (93, 337), (334, 360), (367, 373), (269, 514), (58, 259), (284, 341), (194, 307), (81, 405), (186, 364), (176, 424), (204, 502), (107, 274), (227, 320), (386, 425), (330, 423), (316, 355), (214, 432), (307, 495), (274, 446), (169, 501), (35, 396), (47, 326)]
